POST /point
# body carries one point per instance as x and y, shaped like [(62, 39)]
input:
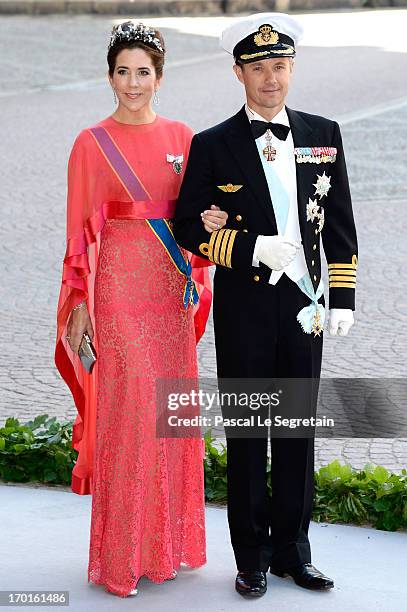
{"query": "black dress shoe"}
[(252, 583), (307, 576)]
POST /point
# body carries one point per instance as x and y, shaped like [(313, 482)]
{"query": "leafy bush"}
[(372, 495), (215, 472), (41, 451), (342, 494)]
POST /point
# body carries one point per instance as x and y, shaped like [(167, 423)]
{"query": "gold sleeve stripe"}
[(352, 265), (211, 244), (225, 241), (343, 274), (229, 248), (346, 285), (338, 265), (220, 246), (218, 241), (350, 273), (348, 279)]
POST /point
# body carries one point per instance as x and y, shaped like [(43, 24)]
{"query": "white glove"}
[(275, 251), (340, 321)]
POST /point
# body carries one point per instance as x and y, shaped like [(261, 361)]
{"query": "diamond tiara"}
[(129, 31)]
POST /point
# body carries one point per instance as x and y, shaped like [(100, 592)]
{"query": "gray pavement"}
[(178, 7), (51, 86), (368, 566)]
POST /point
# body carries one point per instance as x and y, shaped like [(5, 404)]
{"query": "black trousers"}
[(261, 338)]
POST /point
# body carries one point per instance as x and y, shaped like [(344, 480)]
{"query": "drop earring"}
[(155, 98), (114, 96)]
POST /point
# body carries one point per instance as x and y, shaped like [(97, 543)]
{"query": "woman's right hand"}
[(79, 323)]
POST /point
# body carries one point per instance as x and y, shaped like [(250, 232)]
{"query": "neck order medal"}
[(269, 152)]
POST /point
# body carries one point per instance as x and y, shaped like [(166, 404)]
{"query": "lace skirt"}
[(148, 512)]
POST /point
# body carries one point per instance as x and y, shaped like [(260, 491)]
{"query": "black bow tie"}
[(260, 127)]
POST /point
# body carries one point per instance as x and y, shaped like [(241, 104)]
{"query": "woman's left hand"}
[(214, 219)]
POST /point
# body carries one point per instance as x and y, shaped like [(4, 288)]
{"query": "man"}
[(281, 176)]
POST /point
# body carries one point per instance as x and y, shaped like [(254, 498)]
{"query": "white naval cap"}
[(261, 36)]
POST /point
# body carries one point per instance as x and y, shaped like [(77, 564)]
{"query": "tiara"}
[(128, 31)]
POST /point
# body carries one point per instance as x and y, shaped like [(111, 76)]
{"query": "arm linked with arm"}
[(226, 247)]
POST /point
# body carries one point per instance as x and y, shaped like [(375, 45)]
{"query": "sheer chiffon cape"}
[(90, 188)]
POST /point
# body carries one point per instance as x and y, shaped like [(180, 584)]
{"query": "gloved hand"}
[(276, 252), (340, 321)]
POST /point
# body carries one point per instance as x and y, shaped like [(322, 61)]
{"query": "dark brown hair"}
[(157, 58)]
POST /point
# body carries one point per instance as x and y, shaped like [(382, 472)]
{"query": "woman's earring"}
[(114, 96), (155, 99)]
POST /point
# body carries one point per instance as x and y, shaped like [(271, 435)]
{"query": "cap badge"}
[(266, 36)]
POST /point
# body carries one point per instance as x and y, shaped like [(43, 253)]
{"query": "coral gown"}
[(147, 492)]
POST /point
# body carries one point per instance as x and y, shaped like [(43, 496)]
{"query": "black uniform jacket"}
[(224, 168)]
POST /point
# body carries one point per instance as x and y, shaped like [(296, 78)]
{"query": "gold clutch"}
[(87, 353)]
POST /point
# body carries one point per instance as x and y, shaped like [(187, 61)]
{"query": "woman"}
[(125, 277)]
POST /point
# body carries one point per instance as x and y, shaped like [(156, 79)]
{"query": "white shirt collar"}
[(281, 117)]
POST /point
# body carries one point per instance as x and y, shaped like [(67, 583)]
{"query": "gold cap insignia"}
[(266, 36)]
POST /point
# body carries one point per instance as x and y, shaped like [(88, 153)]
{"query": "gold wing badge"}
[(229, 188)]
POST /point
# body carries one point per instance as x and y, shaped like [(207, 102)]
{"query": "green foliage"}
[(372, 495), (215, 471), (41, 451), (342, 494), (37, 451)]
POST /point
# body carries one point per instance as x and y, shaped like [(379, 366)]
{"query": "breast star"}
[(312, 209), (323, 185)]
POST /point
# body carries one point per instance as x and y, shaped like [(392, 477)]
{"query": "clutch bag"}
[(87, 353)]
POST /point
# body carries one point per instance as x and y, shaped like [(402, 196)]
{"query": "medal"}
[(315, 211), (317, 327), (315, 155), (321, 220), (312, 210), (269, 152), (176, 161)]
